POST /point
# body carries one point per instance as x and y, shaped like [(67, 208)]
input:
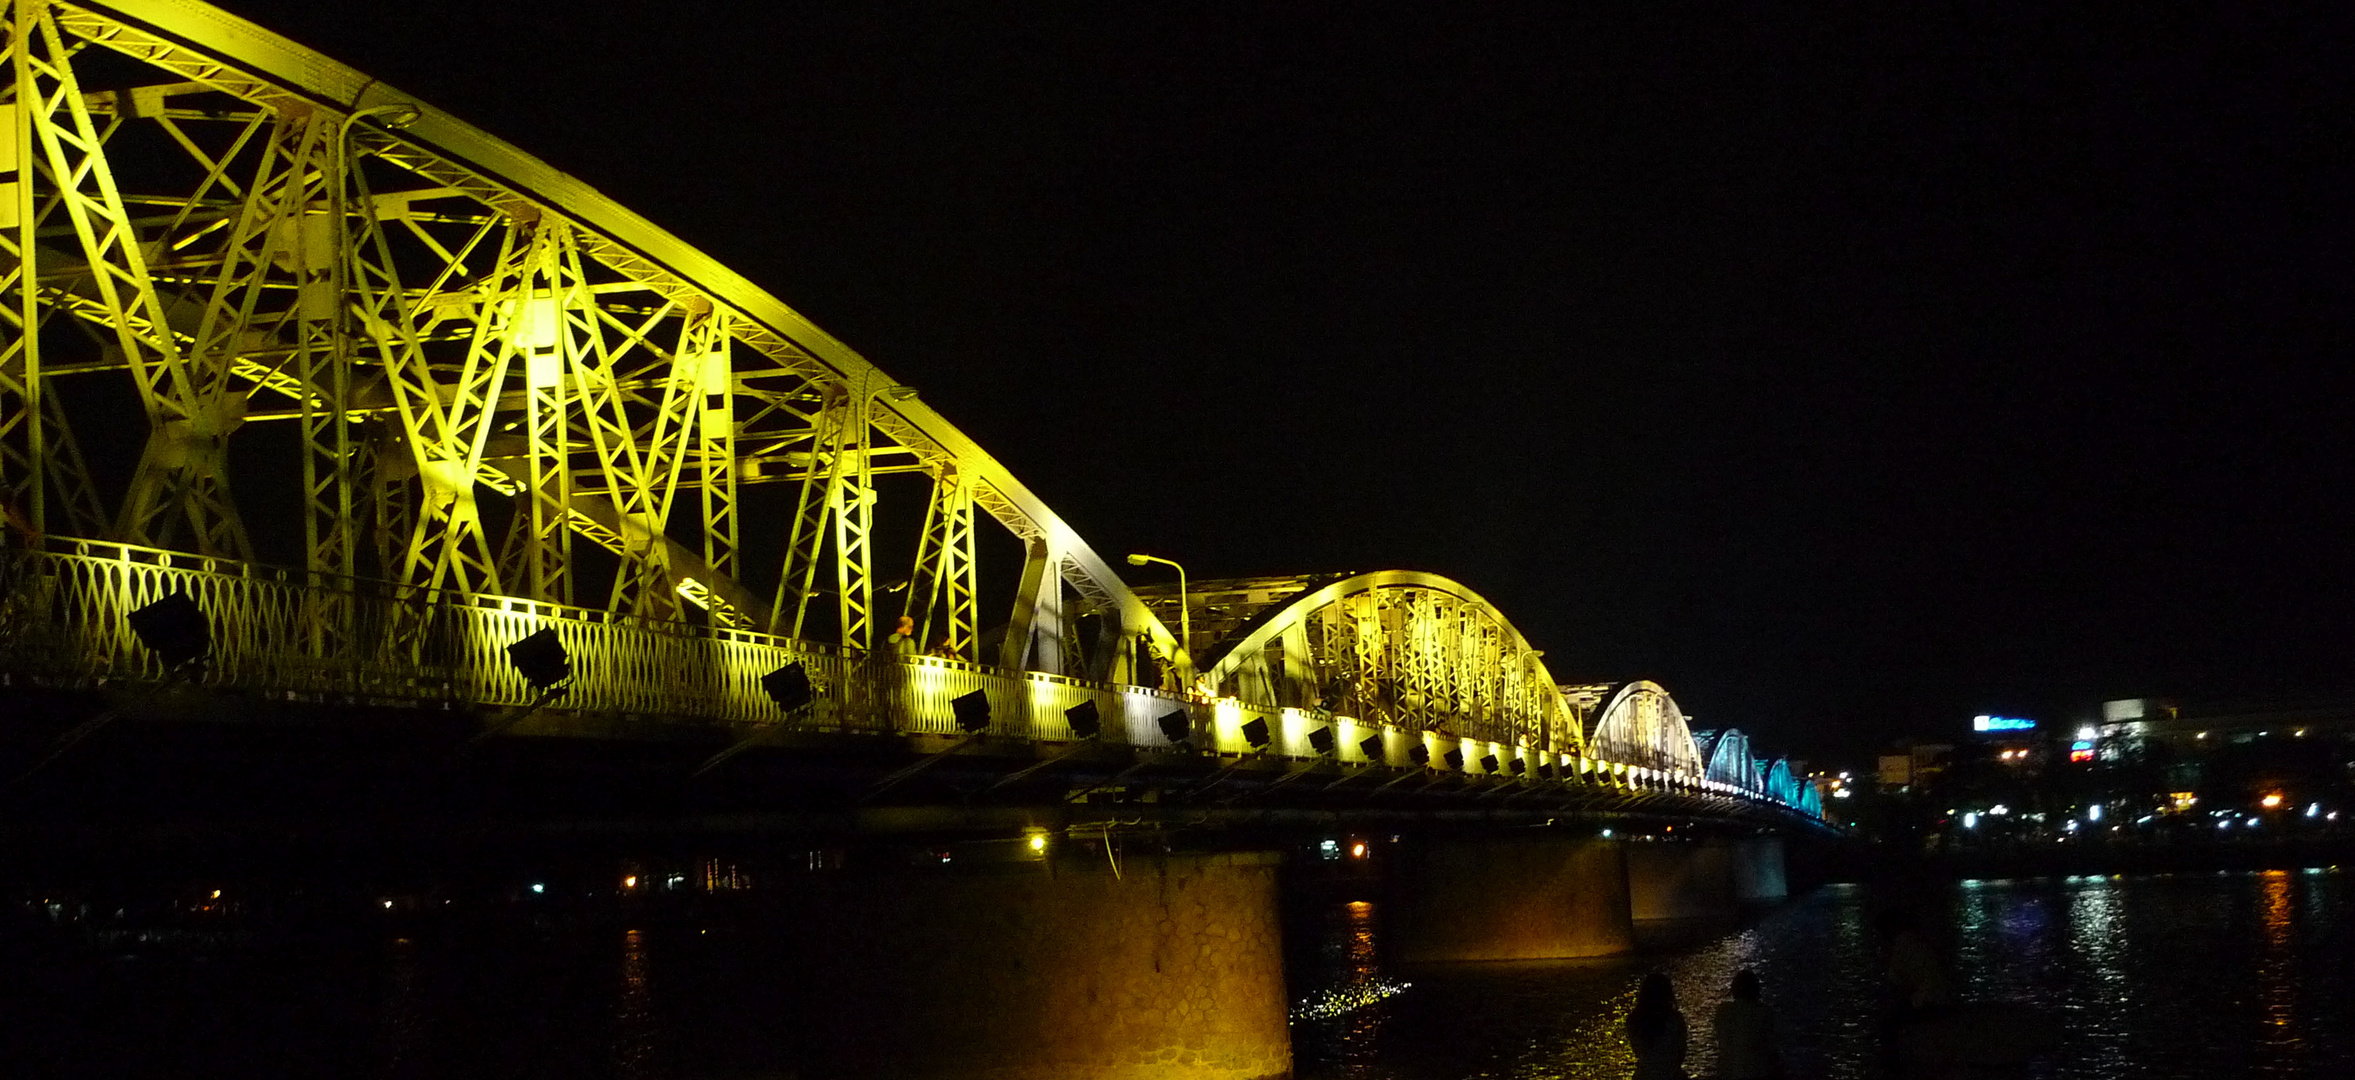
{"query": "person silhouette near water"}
[(1744, 1027), (1656, 1031)]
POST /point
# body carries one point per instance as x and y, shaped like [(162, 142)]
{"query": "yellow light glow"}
[(1357, 850), (2271, 800), (216, 894), (1038, 842), (630, 882)]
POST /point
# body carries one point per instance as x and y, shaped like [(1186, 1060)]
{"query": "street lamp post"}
[(1185, 616)]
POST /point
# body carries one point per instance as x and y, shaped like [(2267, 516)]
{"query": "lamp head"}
[(1139, 560)]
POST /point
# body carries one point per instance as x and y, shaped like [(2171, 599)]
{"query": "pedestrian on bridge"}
[(903, 639), (1656, 1030)]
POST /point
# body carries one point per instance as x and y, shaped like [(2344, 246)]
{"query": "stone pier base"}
[(1039, 971), (1681, 880), (1536, 897), (1758, 870)]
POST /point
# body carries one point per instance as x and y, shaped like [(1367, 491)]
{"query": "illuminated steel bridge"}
[(501, 447)]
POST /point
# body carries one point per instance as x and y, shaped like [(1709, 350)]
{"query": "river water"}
[(2191, 976), (2207, 975)]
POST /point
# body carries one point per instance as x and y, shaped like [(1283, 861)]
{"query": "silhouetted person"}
[(1745, 1034), (1656, 1031), (1916, 994), (1917, 982)]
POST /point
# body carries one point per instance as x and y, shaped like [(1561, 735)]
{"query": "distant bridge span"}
[(400, 397)]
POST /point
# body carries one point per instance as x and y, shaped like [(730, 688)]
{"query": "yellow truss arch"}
[(1404, 648)]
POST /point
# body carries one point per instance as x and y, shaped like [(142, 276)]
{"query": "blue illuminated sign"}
[(2001, 723)]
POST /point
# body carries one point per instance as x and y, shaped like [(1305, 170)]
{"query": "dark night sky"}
[(1849, 374)]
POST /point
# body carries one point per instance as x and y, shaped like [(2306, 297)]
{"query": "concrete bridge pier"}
[(1683, 880), (1046, 970), (1759, 876), (1538, 896)]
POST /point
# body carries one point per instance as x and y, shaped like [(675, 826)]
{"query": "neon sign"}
[(2001, 723)]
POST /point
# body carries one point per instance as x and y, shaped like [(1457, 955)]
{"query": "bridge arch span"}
[(1729, 761), (501, 383), (1640, 724), (1404, 648)]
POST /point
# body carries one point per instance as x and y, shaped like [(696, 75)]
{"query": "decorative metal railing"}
[(64, 622)]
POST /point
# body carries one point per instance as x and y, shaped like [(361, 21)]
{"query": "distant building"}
[(2190, 731), (1911, 764)]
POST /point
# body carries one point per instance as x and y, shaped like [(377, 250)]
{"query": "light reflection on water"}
[(2188, 976), (2169, 977), (635, 1032)]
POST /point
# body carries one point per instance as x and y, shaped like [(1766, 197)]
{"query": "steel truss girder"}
[(941, 583), (400, 379), (183, 472)]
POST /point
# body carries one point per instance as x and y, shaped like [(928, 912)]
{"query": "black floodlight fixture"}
[(1371, 746), (1455, 759), (1419, 754), (1520, 767), (541, 658), (1255, 733), (1488, 764), (1177, 727), (789, 686), (175, 628), (972, 711), (1086, 722), (1321, 740)]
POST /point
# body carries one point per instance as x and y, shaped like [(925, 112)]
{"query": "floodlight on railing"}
[(1085, 720), (789, 687), (972, 712), (1177, 727), (541, 658), (1321, 740), (175, 629), (1256, 733)]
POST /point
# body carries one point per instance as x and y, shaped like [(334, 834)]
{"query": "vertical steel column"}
[(852, 501), (715, 433), (23, 454)]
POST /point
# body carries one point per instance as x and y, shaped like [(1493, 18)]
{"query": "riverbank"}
[(1864, 864)]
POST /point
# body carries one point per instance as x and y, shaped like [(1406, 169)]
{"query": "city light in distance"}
[(2271, 800)]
